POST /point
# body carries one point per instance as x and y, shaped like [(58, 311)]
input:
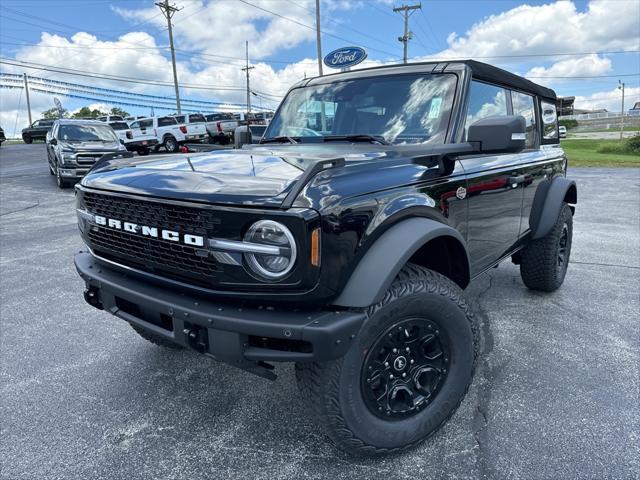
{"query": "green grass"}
[(584, 153)]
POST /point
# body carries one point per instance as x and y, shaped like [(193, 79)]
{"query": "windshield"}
[(87, 133), (119, 125), (412, 108)]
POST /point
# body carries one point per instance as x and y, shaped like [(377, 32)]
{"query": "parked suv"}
[(344, 249), (74, 146), (37, 130)]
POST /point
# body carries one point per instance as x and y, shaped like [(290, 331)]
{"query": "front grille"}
[(166, 258), (87, 159)]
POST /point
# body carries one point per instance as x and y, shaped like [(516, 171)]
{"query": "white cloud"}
[(589, 65), (216, 27), (610, 99), (551, 28)]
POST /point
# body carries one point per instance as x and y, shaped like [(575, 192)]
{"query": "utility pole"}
[(407, 11), (620, 87), (246, 69), (168, 11), (26, 89), (318, 44)]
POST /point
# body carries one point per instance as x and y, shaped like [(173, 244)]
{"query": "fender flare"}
[(383, 261), (547, 203)]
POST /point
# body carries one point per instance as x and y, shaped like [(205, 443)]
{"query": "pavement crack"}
[(606, 265), (37, 204), (485, 375)]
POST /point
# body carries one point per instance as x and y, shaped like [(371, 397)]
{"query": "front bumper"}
[(244, 337), (73, 172)]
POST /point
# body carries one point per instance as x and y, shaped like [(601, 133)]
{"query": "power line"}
[(312, 28)]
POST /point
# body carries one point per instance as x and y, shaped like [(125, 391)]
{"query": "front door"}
[(494, 189)]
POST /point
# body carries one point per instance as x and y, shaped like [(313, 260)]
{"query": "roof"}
[(481, 71), (79, 120), (484, 71)]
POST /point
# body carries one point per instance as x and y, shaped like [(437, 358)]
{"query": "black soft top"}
[(479, 70), (489, 73)]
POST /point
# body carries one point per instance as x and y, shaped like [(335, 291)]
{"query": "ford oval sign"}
[(345, 57)]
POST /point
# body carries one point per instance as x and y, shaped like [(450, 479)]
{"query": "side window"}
[(549, 121), (485, 101), (524, 105), (146, 123), (36, 123), (165, 121), (135, 125)]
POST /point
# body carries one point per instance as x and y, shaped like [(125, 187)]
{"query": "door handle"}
[(515, 181)]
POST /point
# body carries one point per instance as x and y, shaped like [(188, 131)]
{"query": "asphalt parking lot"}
[(556, 394)]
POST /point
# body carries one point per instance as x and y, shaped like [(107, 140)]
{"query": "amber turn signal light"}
[(315, 247)]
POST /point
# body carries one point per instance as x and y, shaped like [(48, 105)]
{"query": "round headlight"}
[(276, 264)]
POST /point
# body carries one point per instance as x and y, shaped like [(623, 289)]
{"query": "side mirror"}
[(121, 142), (499, 134), (53, 141)]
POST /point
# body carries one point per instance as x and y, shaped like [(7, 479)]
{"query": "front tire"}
[(143, 151), (62, 182), (382, 397), (27, 139), (544, 261)]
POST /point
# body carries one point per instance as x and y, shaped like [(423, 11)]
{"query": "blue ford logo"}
[(345, 57)]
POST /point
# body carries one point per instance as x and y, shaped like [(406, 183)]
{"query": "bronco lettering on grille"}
[(144, 230)]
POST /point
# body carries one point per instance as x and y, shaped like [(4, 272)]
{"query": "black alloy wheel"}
[(404, 369)]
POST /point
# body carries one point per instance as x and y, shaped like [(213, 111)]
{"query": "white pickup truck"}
[(221, 126), (140, 136), (165, 131), (196, 129)]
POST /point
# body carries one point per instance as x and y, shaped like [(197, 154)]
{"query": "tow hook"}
[(92, 298), (197, 337)]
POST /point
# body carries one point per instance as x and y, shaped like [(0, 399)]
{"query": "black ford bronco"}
[(344, 240)]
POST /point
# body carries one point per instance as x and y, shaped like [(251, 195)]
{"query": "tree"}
[(119, 111), (86, 112), (53, 113)]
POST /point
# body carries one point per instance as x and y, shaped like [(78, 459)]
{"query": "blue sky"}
[(128, 38)]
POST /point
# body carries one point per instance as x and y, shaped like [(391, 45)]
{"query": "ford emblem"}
[(345, 57)]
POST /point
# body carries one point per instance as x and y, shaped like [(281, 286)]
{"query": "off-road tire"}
[(155, 339), (171, 144), (539, 267), (329, 386)]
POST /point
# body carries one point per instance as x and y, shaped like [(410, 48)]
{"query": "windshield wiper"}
[(357, 137), (280, 139)]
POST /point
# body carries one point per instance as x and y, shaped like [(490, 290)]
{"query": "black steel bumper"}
[(137, 144), (244, 337)]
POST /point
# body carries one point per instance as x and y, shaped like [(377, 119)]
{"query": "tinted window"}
[(148, 123), (411, 108), (164, 121), (46, 123), (196, 118), (116, 118), (485, 101), (102, 119), (524, 105), (179, 118), (549, 121), (119, 125), (135, 125)]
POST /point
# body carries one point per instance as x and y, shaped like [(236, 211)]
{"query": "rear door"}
[(542, 159), (494, 186), (143, 130)]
